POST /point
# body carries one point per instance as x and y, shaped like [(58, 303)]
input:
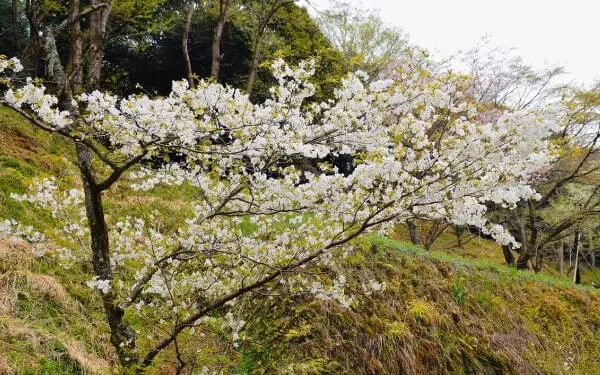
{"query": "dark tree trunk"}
[(508, 255), (576, 270), (216, 51), (122, 336), (561, 257), (591, 251), (523, 261), (263, 22), (524, 255), (538, 262), (413, 231), (33, 49), (459, 230), (435, 230), (189, 11)]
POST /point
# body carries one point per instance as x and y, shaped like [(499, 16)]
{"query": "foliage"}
[(292, 34), (296, 37), (364, 39)]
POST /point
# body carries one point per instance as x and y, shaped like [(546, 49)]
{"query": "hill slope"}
[(441, 313)]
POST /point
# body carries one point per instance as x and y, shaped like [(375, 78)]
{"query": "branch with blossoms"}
[(268, 198)]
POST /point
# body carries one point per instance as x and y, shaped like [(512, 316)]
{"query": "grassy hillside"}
[(443, 313), (446, 311)]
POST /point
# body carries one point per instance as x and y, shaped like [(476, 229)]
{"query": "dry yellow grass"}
[(89, 362), (15, 255), (5, 368), (42, 285), (473, 245), (48, 286), (17, 328), (8, 294), (22, 331)]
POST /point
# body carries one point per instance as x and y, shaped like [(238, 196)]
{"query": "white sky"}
[(543, 32)]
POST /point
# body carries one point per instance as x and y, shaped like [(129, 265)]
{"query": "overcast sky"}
[(544, 32)]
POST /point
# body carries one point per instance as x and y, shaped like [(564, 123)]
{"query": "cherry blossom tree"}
[(269, 201)]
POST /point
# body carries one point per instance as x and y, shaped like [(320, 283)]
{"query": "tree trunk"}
[(263, 22), (33, 49), (189, 11), (435, 231), (561, 257), (523, 261), (413, 230), (224, 13), (591, 251), (97, 32), (459, 231), (75, 68), (253, 69), (576, 246), (54, 68), (508, 255), (524, 255), (122, 336), (15, 28), (538, 262), (570, 257)]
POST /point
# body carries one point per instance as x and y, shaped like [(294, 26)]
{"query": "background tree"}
[(569, 189), (13, 27), (364, 39), (263, 12), (294, 36), (224, 10), (185, 34), (501, 79)]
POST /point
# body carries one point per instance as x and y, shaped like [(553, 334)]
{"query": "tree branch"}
[(188, 322), (83, 13)]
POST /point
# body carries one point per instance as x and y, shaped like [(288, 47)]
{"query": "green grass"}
[(479, 263)]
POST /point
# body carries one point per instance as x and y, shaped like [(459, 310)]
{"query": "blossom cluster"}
[(12, 64)]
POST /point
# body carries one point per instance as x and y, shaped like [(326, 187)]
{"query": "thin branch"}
[(72, 20), (272, 276)]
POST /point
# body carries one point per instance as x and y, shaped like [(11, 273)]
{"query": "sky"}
[(542, 32)]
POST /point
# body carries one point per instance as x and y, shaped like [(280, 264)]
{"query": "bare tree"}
[(504, 80)]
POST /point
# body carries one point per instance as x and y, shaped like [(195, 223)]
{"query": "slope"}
[(442, 312)]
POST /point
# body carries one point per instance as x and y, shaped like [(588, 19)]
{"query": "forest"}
[(264, 187)]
